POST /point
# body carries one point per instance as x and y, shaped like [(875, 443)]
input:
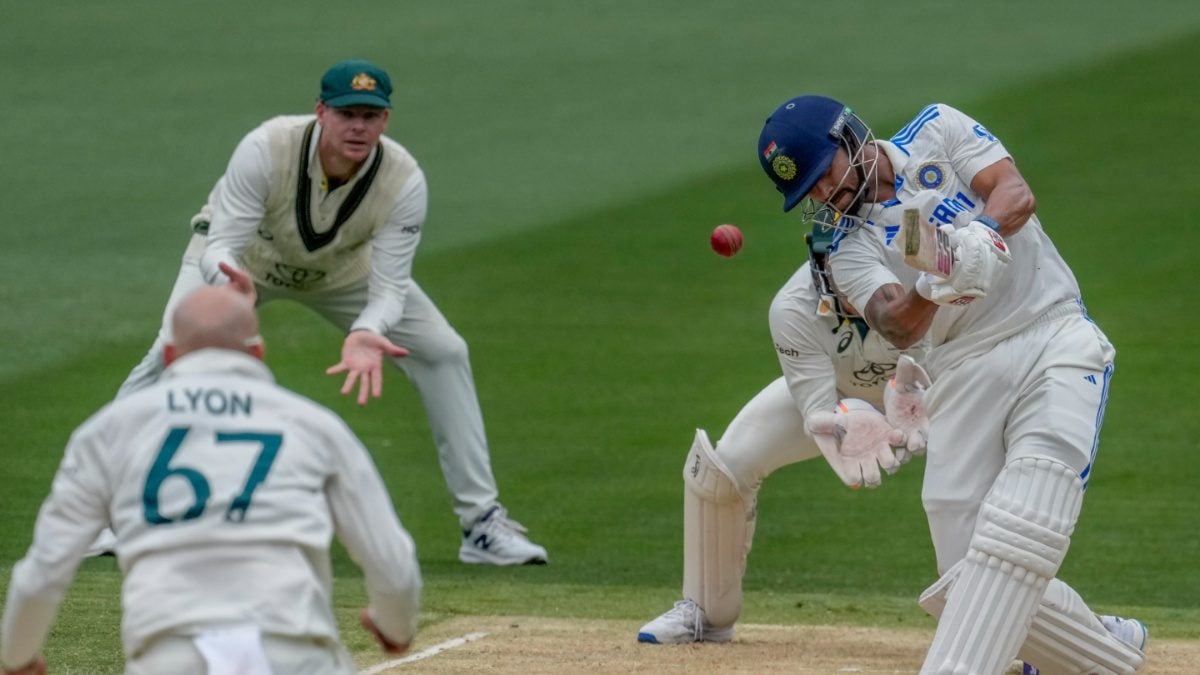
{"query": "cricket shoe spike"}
[(495, 539), (682, 624), (1130, 631)]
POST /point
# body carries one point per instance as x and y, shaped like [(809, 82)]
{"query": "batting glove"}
[(904, 407), (980, 258), (857, 441)]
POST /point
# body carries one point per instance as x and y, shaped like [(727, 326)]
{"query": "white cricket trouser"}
[(767, 433), (179, 655), (1040, 393), (438, 365)]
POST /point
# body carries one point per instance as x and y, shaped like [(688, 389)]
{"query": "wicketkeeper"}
[(837, 376)]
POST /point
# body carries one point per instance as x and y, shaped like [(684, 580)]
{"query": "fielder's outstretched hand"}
[(240, 281), (393, 648), (362, 361), (856, 441), (904, 406)]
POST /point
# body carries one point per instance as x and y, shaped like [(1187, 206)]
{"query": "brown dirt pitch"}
[(529, 646)]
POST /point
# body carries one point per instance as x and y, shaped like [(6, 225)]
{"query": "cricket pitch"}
[(534, 645)]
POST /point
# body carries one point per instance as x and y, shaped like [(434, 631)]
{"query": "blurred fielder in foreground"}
[(826, 352), (326, 211), (224, 491), (1020, 372)]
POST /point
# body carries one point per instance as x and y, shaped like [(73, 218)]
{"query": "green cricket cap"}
[(356, 82)]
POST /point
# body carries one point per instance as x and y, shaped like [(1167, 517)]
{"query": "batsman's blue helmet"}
[(799, 139)]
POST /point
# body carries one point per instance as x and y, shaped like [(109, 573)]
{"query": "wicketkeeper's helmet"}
[(799, 140)]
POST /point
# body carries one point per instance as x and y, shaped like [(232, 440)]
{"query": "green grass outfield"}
[(578, 156)]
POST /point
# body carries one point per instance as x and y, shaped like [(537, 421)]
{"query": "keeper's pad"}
[(1065, 637), (717, 531), (1021, 537)]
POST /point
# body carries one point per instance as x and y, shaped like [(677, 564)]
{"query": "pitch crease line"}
[(423, 654)]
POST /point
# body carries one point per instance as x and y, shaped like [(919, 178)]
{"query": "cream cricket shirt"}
[(224, 491), (824, 358), (273, 216)]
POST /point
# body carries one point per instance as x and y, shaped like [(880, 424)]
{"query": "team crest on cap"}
[(930, 175), (783, 165), (362, 82)]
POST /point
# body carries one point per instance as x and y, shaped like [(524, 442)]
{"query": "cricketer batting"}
[(1020, 374)]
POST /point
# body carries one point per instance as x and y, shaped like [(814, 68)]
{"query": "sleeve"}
[(392, 252), (859, 267), (367, 525), (800, 344), (67, 523), (969, 145), (238, 203)]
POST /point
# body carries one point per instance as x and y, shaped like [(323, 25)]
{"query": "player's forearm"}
[(901, 317), (376, 540), (385, 305), (237, 205), (1010, 201), (28, 613)]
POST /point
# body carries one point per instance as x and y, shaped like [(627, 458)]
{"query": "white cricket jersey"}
[(941, 150), (224, 491), (335, 237), (824, 358)]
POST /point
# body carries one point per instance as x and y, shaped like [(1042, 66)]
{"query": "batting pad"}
[(717, 531), (1065, 637), (1020, 539)]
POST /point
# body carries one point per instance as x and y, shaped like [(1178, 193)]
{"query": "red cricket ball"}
[(726, 240)]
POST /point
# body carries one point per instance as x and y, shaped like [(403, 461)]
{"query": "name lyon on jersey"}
[(211, 401)]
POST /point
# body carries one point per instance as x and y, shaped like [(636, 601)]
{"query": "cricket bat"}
[(926, 247)]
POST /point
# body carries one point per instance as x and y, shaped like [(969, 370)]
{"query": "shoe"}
[(1130, 631), (683, 623), (495, 539), (105, 544)]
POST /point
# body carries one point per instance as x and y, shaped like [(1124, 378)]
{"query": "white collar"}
[(213, 361)]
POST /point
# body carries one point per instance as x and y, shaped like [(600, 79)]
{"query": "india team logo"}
[(930, 176), (784, 167), (781, 164), (362, 82)]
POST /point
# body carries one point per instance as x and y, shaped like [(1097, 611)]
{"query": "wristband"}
[(923, 287), (989, 221)]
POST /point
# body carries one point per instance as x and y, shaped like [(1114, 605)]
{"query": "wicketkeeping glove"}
[(904, 407), (980, 257), (857, 441)]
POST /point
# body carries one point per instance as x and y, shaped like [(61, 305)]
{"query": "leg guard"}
[(717, 530), (1065, 637), (1020, 540)]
